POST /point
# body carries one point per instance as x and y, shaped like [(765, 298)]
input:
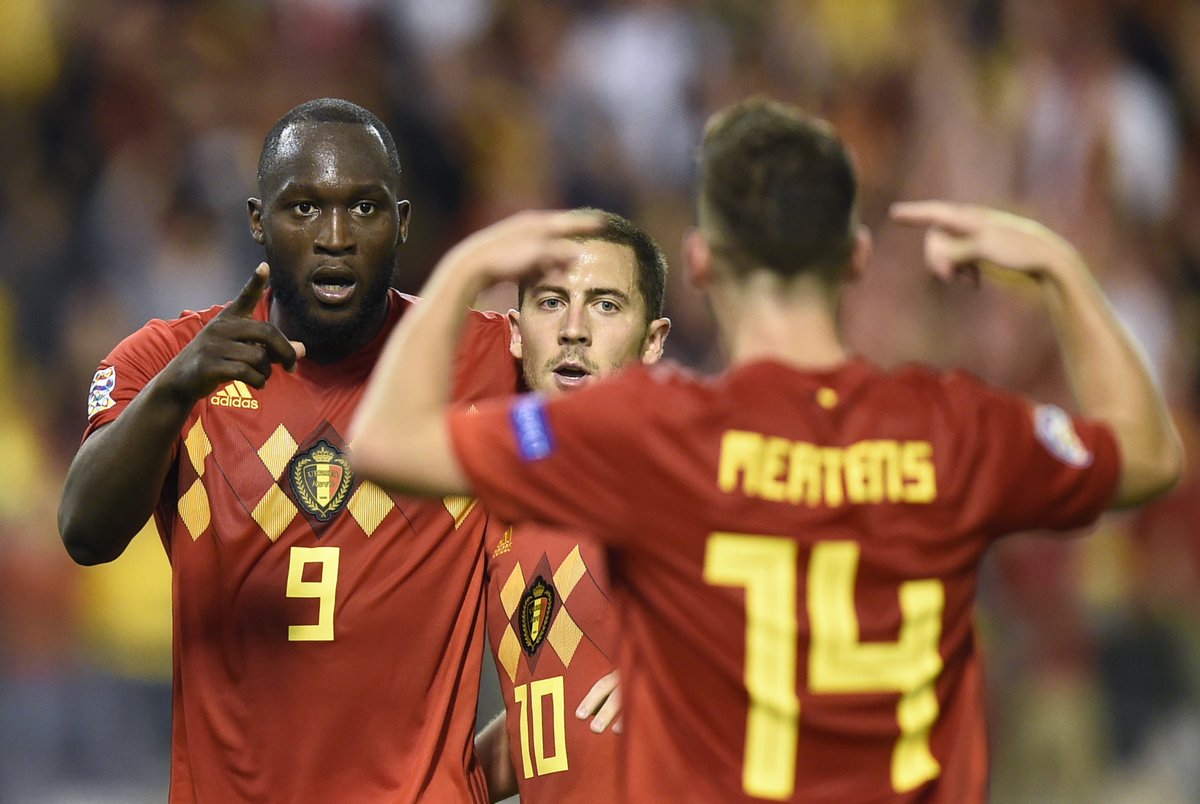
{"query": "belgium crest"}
[(321, 479), (537, 604)]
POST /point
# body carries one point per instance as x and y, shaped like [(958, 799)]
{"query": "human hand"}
[(962, 237), (527, 243), (604, 701), (233, 346)]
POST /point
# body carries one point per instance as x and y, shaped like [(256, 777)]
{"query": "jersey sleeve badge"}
[(100, 395), (1054, 429), (531, 427)]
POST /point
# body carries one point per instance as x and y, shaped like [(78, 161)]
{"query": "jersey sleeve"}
[(566, 461), (1032, 465), (483, 366), (132, 364)]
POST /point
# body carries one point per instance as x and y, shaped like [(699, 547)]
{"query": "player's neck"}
[(794, 324)]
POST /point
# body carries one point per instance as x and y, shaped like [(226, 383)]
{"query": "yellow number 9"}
[(324, 590)]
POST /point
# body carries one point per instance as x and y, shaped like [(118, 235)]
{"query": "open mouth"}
[(569, 375), (333, 285)]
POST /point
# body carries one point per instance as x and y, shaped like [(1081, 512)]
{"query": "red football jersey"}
[(795, 556), (553, 631), (327, 634)]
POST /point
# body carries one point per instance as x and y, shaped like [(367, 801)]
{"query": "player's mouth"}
[(569, 374), (332, 284)]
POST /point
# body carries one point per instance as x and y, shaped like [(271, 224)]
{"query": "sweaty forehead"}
[(329, 153)]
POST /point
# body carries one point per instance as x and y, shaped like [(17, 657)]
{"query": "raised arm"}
[(398, 437), (1108, 377), (116, 478)]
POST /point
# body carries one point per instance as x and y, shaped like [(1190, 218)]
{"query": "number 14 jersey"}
[(795, 556)]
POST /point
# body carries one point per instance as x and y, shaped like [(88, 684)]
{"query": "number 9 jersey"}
[(327, 634), (795, 558)]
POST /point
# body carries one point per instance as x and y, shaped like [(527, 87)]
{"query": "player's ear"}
[(656, 339), (405, 211), (860, 253), (254, 210), (697, 258), (514, 334)]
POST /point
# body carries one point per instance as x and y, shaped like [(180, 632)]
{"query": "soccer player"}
[(794, 545), (551, 624), (327, 634)]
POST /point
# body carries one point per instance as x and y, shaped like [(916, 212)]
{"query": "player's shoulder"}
[(173, 331), (953, 384)]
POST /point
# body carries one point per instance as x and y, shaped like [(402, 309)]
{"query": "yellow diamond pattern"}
[(198, 447), (459, 507), (514, 587), (369, 505), (194, 509), (509, 653), (564, 635), (568, 573), (274, 512), (278, 450)]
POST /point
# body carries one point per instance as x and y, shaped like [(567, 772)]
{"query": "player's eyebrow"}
[(590, 293)]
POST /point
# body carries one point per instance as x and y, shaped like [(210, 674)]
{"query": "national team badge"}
[(534, 611), (100, 396), (321, 479), (1056, 431)]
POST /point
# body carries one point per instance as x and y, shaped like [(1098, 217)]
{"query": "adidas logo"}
[(234, 395)]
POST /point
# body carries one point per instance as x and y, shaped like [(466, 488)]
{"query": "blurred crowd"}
[(129, 137)]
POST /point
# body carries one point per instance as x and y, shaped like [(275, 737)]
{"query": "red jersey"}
[(327, 634), (553, 631), (795, 556)]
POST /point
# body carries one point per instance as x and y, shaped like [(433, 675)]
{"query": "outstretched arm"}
[(1108, 377), (398, 437), (115, 479)]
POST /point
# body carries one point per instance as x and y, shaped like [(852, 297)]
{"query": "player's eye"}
[(304, 208), (608, 306), (365, 207), (550, 303)]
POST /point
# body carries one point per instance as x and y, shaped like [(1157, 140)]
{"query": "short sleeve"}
[(1032, 465), (131, 365), (533, 458)]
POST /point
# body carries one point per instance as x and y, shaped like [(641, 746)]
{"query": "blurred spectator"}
[(128, 128)]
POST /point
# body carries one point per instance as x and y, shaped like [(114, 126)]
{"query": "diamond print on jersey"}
[(459, 507), (369, 506), (198, 447), (278, 450), (274, 512), (568, 573), (194, 509), (565, 633)]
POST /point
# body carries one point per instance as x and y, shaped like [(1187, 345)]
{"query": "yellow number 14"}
[(766, 567)]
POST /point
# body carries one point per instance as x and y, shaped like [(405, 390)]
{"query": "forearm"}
[(1110, 380), (117, 476), (492, 748), (401, 414)]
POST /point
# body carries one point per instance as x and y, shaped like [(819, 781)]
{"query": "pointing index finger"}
[(243, 306), (958, 219)]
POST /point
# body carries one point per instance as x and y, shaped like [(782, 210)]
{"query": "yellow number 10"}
[(766, 567)]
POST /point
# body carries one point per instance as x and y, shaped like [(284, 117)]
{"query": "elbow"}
[(83, 548), (1153, 473)]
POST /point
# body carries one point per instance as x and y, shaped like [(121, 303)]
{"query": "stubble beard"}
[(330, 337)]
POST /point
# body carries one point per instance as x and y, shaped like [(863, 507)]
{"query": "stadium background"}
[(129, 131)]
